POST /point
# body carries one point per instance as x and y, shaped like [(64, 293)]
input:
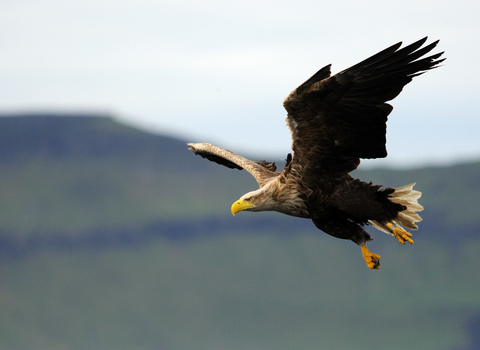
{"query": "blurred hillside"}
[(115, 238), (68, 174)]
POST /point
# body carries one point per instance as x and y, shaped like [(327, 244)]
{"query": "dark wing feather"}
[(262, 170), (207, 154), (336, 120)]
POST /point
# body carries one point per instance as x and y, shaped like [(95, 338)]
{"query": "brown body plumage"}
[(335, 121)]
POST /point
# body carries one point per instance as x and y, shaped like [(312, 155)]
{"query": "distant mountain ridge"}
[(78, 135), (80, 172), (111, 237), (74, 173)]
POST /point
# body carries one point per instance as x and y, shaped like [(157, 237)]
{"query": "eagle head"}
[(274, 196), (257, 200)]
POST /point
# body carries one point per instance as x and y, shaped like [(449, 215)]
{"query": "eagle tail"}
[(408, 198)]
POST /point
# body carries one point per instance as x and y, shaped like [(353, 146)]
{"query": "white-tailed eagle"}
[(335, 121)]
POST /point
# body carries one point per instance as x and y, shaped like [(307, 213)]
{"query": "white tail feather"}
[(408, 197)]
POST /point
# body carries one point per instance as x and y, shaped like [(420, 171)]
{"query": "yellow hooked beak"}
[(240, 205)]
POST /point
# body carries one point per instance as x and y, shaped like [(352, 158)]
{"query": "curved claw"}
[(400, 234), (372, 260)]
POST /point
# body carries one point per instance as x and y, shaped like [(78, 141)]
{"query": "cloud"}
[(218, 71)]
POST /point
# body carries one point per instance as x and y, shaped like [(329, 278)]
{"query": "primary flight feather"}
[(335, 121)]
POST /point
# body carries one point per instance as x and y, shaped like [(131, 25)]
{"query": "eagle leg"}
[(342, 228), (399, 233), (372, 260)]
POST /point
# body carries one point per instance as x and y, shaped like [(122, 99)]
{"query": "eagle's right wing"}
[(336, 120)]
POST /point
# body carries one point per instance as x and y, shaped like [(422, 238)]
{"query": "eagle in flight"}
[(335, 121)]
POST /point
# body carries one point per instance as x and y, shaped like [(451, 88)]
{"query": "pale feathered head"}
[(274, 196), (258, 200)]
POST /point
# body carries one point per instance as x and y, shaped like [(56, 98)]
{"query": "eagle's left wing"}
[(262, 171)]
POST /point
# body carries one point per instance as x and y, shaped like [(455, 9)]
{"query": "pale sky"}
[(218, 71)]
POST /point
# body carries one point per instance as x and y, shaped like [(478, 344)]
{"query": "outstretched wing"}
[(336, 120), (262, 171)]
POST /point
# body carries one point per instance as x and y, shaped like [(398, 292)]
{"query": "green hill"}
[(69, 174), (113, 238)]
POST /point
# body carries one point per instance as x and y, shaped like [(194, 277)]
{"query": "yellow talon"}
[(372, 260), (400, 234)]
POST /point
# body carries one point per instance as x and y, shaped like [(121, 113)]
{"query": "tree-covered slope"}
[(72, 173), (113, 238), (69, 174)]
